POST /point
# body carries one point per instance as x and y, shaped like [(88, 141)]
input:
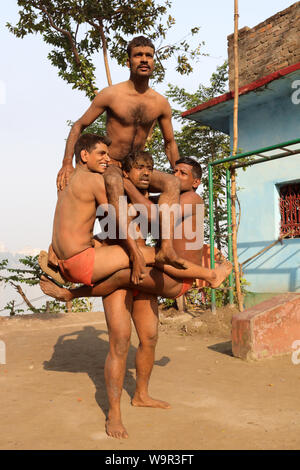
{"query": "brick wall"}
[(268, 47)]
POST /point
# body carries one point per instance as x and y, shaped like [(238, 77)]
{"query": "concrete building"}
[(269, 114)]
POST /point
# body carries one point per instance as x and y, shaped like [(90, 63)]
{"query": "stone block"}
[(267, 329)]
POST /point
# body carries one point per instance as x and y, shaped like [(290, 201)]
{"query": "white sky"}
[(35, 105)]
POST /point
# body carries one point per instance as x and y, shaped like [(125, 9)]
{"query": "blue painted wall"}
[(275, 121)]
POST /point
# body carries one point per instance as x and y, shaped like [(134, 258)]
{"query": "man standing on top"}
[(132, 108)]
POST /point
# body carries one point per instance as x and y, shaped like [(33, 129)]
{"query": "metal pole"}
[(229, 223), (211, 232), (258, 151)]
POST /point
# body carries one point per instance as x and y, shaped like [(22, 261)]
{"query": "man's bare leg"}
[(155, 282), (117, 307), (169, 186), (115, 190), (145, 318)]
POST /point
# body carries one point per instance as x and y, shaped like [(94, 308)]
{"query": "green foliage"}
[(97, 127), (77, 29), (167, 303), (82, 305), (31, 275), (222, 293), (11, 307)]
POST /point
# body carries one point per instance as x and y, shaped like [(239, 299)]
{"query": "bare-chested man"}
[(132, 108), (118, 303), (79, 257)]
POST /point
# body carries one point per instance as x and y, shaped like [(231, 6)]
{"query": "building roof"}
[(215, 112)]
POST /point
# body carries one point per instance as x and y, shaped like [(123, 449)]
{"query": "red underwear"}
[(79, 268), (186, 285)]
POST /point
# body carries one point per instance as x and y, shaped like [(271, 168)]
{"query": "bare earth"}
[(52, 390)]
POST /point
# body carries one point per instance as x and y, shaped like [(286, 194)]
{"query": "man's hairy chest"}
[(133, 112)]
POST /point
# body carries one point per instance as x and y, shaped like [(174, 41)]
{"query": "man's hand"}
[(63, 176), (138, 266)]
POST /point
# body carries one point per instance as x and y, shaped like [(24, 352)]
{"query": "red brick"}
[(273, 34), (268, 329)]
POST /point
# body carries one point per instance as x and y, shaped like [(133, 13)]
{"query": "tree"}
[(30, 275), (77, 29)]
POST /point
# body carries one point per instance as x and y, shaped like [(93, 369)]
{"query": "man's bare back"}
[(76, 212), (76, 205)]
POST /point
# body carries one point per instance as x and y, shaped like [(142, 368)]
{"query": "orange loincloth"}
[(186, 285), (79, 268)]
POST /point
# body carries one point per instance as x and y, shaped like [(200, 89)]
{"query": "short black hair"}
[(88, 142), (196, 167), (139, 41), (131, 158)]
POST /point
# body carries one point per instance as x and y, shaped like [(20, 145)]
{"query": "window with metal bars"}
[(290, 210)]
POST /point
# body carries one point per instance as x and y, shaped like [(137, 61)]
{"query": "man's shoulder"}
[(191, 197), (162, 99), (110, 91)]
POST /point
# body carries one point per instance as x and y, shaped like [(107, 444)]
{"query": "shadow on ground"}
[(222, 348), (85, 351)]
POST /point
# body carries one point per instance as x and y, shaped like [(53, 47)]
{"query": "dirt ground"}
[(52, 390)]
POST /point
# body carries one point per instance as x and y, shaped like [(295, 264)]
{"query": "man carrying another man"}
[(132, 108), (83, 260)]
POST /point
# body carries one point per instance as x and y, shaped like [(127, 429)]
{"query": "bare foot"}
[(222, 271), (115, 428), (53, 290), (149, 402), (167, 255), (52, 272)]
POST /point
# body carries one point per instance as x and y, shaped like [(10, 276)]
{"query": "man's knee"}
[(149, 340), (120, 344), (112, 176)]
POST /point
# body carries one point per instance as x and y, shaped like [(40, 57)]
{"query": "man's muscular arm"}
[(97, 108), (165, 124)]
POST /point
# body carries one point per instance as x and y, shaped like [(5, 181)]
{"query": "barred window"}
[(290, 210)]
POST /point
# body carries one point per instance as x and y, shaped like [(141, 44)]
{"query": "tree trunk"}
[(181, 305), (105, 56), (234, 152), (22, 294)]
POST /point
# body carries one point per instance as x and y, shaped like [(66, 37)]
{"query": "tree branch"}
[(61, 30), (104, 47), (22, 294)]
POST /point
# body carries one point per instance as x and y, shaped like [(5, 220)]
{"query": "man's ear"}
[(84, 155), (128, 62), (196, 183), (125, 174)]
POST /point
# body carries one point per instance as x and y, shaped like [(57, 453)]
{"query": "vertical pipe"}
[(211, 232), (229, 223)]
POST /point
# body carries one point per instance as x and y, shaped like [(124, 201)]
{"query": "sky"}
[(35, 105)]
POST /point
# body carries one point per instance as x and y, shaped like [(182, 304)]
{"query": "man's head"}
[(91, 150), (138, 167), (189, 172), (140, 59)]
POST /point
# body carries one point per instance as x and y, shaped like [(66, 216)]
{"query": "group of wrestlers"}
[(120, 267)]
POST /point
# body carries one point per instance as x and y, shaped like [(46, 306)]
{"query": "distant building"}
[(269, 114)]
